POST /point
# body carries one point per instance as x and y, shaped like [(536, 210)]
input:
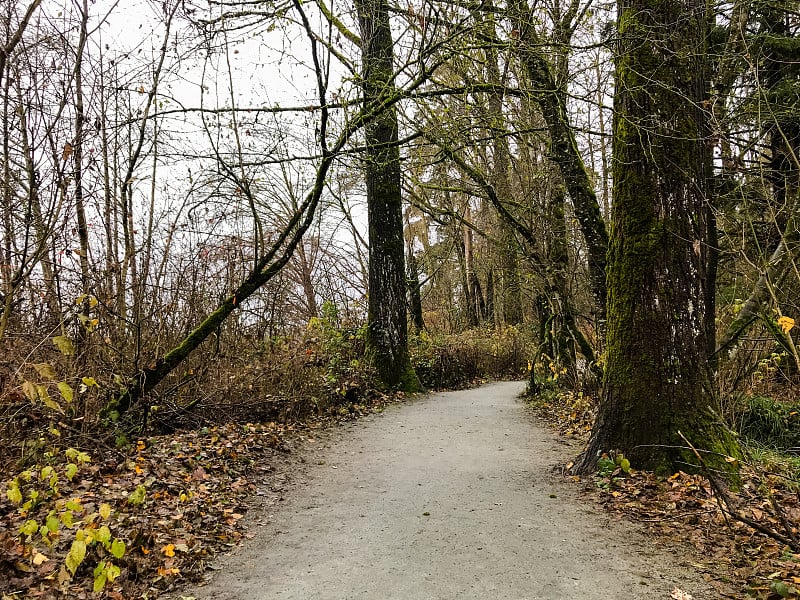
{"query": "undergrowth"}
[(322, 372), (187, 451)]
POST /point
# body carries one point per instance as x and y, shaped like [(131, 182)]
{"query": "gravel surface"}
[(448, 496)]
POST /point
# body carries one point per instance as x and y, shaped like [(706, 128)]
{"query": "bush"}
[(458, 360), (770, 422)]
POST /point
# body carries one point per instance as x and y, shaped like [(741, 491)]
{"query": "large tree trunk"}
[(387, 320), (658, 383)]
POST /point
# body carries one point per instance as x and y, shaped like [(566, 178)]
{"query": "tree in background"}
[(387, 319)]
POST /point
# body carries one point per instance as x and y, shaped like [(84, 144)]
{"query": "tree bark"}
[(387, 319), (564, 151), (658, 381), (415, 295)]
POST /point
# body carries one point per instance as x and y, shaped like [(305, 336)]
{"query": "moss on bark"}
[(658, 382)]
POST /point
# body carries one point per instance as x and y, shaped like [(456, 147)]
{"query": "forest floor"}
[(452, 495), (448, 495)]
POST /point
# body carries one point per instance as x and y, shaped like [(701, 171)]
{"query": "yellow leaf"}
[(47, 400), (105, 511), (29, 527), (786, 324), (13, 493), (30, 391), (88, 381), (66, 391), (76, 555), (45, 370), (169, 550)]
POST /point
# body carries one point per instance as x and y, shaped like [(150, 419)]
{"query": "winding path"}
[(448, 496)]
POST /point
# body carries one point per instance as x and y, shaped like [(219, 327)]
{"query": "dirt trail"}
[(449, 496)]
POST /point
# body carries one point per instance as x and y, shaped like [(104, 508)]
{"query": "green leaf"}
[(138, 495), (64, 345), (29, 527), (780, 588), (99, 580), (625, 465), (88, 381), (13, 493), (112, 571), (117, 548), (104, 510), (77, 553), (103, 535), (66, 518), (66, 391), (70, 470), (53, 523)]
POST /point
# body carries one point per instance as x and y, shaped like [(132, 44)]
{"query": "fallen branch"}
[(725, 503)]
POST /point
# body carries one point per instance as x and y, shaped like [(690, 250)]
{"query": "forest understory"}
[(119, 515), (134, 509)]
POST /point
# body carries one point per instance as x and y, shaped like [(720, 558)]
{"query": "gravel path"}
[(448, 496)]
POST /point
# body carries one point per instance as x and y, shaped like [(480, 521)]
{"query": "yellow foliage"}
[(786, 324)]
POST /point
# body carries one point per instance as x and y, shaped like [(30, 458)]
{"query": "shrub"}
[(770, 422), (455, 361)]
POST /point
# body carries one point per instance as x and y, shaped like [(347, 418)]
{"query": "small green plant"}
[(611, 469), (770, 422), (37, 494)]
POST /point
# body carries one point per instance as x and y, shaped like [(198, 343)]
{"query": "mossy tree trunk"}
[(507, 246), (657, 379), (387, 319)]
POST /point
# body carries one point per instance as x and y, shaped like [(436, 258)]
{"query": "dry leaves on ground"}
[(150, 517), (736, 560)]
